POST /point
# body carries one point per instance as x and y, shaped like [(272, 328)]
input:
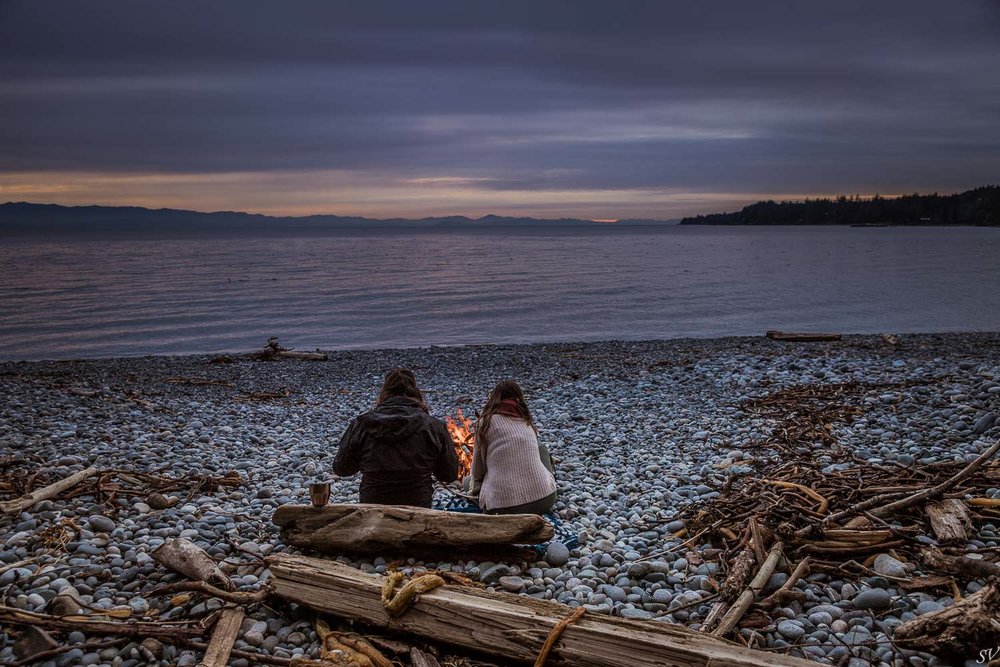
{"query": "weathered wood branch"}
[(787, 591), (969, 568), (18, 505), (961, 629), (950, 521), (747, 597), (236, 597), (262, 658), (508, 626), (364, 528), (223, 636), (86, 625), (942, 488)]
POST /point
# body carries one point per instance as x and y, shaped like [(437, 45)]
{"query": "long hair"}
[(506, 390), (400, 382)]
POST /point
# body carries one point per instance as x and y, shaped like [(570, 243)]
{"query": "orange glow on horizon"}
[(372, 195)]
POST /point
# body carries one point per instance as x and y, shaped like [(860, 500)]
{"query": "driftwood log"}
[(186, 557), (18, 505), (508, 626), (950, 521), (362, 528), (139, 629), (969, 568), (308, 356), (223, 635), (960, 630), (747, 597), (802, 337)]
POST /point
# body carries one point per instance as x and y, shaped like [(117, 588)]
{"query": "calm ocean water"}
[(98, 297)]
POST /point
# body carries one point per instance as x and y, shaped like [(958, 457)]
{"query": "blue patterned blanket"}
[(564, 532)]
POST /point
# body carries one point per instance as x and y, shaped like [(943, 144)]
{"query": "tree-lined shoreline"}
[(978, 207)]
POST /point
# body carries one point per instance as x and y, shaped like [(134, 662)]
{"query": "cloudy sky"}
[(592, 109)]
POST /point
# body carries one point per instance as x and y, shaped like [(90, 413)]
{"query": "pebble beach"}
[(640, 431)]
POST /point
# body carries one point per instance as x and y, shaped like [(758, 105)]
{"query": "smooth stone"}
[(889, 566), (984, 423), (615, 593), (791, 630), (557, 554), (874, 598), (512, 584), (929, 607), (493, 574), (101, 524)]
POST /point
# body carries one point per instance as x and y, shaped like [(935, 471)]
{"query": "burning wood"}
[(460, 428)]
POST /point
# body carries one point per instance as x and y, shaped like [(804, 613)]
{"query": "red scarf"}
[(510, 408)]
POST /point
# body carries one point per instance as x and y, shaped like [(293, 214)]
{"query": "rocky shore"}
[(640, 431)]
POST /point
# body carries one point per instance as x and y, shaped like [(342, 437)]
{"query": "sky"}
[(599, 110)]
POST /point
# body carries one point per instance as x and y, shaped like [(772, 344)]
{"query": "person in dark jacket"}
[(397, 447)]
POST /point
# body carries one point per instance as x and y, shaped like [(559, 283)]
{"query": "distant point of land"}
[(978, 207)]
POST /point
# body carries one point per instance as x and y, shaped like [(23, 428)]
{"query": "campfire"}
[(460, 428)]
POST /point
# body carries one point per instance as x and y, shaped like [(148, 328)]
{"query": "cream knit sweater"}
[(510, 469)]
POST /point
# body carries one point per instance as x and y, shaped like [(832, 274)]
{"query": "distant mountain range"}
[(27, 218), (980, 207)]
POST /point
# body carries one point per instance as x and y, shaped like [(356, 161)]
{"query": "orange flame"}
[(460, 428)]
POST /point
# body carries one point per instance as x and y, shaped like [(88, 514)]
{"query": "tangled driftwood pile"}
[(806, 517), (108, 485)]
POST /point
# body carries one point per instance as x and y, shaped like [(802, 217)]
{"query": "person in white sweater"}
[(512, 472)]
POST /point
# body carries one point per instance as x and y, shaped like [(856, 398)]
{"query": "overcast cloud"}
[(596, 109)]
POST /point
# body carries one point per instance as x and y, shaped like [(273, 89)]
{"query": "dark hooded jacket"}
[(397, 447)]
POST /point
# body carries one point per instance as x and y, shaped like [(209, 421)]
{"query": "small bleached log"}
[(787, 593), (950, 521), (18, 505), (187, 558), (747, 597), (365, 528), (223, 635)]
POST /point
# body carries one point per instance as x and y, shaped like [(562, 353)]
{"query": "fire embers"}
[(460, 428)]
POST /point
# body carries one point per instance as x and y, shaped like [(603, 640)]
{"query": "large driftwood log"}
[(377, 528), (187, 558), (949, 520), (508, 626), (959, 630), (18, 505)]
